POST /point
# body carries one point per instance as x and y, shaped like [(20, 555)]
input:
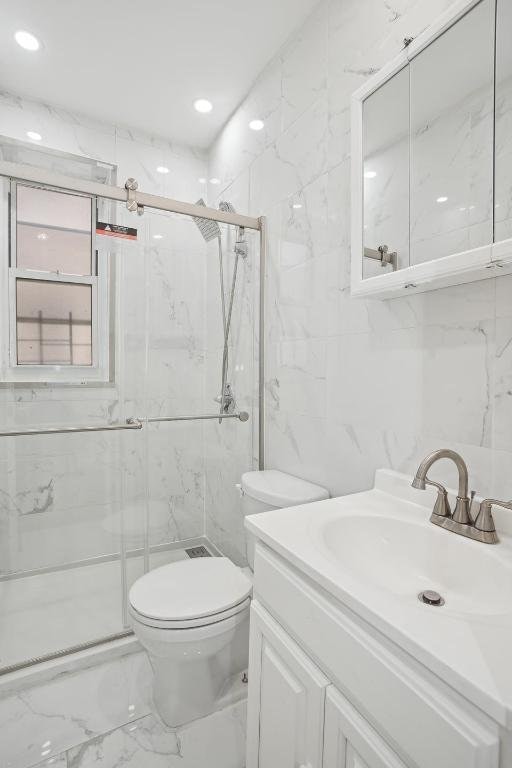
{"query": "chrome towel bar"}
[(241, 416), (129, 424)]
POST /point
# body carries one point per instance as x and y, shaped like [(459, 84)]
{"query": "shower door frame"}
[(32, 174)]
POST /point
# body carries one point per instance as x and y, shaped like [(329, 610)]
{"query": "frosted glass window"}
[(53, 323), (53, 231)]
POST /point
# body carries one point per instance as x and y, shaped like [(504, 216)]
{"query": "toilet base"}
[(194, 690), (191, 667)]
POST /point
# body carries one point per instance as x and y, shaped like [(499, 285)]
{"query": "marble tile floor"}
[(48, 612), (216, 741)]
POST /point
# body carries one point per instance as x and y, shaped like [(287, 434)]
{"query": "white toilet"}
[(192, 616)]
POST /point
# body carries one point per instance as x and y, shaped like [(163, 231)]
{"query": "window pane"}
[(53, 323), (53, 231), (53, 250)]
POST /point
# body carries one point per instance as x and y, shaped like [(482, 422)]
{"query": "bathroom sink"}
[(375, 551), (405, 557)]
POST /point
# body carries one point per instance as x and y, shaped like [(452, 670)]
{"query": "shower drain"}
[(199, 551), (430, 597)]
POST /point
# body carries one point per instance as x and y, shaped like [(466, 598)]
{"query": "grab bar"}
[(130, 424), (242, 416)]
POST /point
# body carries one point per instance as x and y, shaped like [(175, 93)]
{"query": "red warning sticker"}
[(116, 230)]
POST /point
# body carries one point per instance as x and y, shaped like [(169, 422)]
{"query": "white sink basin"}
[(405, 557)]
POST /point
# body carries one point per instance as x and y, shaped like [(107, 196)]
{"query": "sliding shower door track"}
[(19, 666)]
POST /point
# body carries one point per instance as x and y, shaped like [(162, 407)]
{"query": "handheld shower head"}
[(207, 227), (241, 244)]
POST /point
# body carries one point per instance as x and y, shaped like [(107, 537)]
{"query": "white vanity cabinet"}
[(296, 719), (326, 690), (350, 741), (286, 705)]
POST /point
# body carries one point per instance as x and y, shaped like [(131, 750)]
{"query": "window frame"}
[(12, 371)]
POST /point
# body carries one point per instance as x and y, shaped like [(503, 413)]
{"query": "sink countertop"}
[(471, 648)]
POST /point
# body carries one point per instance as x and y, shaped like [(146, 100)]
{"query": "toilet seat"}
[(198, 623), (190, 593)]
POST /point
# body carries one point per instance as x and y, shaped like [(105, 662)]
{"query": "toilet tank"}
[(270, 489)]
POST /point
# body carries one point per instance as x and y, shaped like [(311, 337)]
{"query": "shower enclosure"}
[(131, 396)]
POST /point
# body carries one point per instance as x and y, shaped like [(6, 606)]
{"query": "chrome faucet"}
[(461, 512), (482, 528)]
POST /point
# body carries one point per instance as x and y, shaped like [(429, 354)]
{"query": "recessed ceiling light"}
[(162, 169), (27, 40), (214, 181), (34, 135), (42, 236), (202, 180), (462, 208), (297, 205), (203, 105), (370, 174), (157, 237), (256, 125), (441, 199)]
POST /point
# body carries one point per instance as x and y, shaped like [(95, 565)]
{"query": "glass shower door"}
[(85, 513)]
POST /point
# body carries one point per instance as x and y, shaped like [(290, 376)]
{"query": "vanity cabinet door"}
[(286, 699), (350, 741)]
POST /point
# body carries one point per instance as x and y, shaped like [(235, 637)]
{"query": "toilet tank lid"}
[(280, 489)]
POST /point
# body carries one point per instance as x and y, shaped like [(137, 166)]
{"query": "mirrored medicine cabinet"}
[(432, 158)]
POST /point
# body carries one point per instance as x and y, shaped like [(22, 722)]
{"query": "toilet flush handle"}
[(241, 492)]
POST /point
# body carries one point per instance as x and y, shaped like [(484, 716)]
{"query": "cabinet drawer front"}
[(350, 741), (425, 721), (286, 700)]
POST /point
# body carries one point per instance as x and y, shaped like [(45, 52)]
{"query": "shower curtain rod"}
[(22, 172)]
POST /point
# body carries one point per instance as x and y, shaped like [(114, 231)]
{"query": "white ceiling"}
[(142, 63)]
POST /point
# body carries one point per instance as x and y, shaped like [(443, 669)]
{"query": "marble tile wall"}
[(352, 384)]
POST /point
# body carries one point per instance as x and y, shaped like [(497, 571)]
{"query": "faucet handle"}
[(484, 520), (442, 505)]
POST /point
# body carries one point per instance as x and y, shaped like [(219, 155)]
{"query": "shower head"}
[(207, 227), (226, 207)]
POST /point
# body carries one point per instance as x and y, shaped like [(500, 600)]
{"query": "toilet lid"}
[(190, 589)]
